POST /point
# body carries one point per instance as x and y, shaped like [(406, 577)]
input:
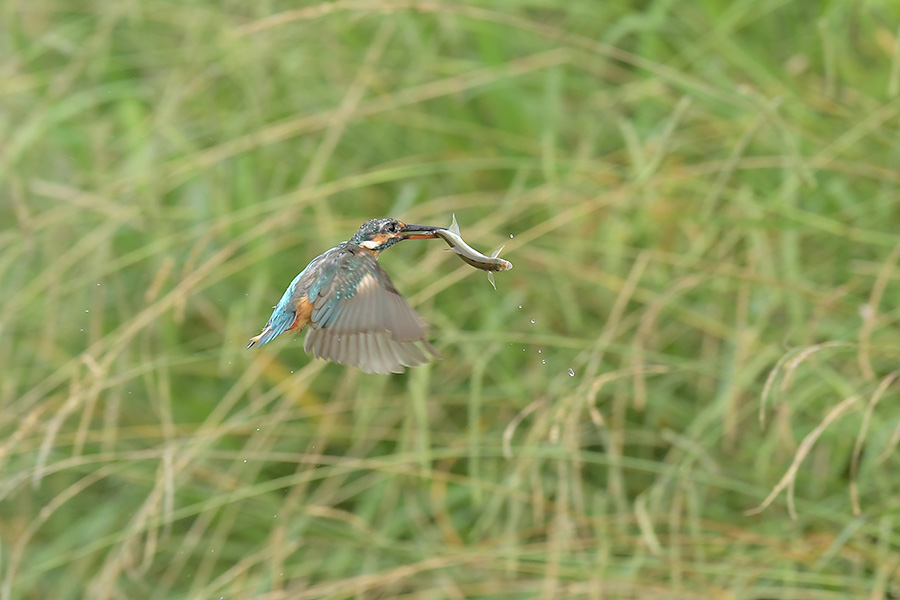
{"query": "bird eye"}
[(393, 227)]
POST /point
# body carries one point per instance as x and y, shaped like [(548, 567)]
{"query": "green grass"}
[(701, 200)]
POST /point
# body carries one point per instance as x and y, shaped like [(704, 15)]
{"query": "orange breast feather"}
[(303, 310)]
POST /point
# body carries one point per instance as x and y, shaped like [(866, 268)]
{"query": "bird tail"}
[(259, 338), (280, 322)]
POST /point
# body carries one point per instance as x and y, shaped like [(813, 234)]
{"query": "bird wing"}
[(360, 319)]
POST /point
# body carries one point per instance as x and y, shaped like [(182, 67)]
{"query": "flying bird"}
[(355, 315)]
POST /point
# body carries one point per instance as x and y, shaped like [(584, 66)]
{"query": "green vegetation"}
[(702, 203)]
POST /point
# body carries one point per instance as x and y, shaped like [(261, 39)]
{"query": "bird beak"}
[(419, 232)]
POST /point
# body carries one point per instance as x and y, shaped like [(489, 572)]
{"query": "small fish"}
[(471, 255)]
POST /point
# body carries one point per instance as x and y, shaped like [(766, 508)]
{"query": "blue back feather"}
[(283, 315)]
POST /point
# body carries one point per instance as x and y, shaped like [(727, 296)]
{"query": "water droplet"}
[(257, 428), (532, 321), (571, 372), (520, 306), (245, 460), (98, 285), (86, 310), (543, 361), (510, 236), (82, 329), (539, 350)]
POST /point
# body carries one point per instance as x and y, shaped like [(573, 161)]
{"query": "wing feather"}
[(392, 351), (352, 350), (386, 351), (359, 318), (337, 343), (370, 361)]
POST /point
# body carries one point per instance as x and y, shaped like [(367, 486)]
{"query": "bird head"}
[(381, 234)]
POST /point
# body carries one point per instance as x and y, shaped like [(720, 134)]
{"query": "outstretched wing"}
[(360, 319)]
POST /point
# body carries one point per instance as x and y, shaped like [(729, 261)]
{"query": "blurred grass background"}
[(701, 203)]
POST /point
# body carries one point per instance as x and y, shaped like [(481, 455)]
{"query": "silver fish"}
[(471, 255)]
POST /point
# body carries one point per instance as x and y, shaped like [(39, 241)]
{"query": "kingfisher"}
[(356, 316)]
